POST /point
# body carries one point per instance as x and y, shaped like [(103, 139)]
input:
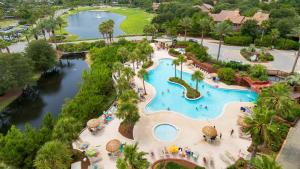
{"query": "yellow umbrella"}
[(173, 149)]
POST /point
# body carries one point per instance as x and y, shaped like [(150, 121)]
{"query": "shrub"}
[(258, 72), (227, 75), (56, 39), (238, 40), (83, 46), (198, 50), (172, 51), (266, 41), (286, 44), (147, 64)]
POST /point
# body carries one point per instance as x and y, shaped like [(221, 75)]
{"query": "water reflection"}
[(52, 92)]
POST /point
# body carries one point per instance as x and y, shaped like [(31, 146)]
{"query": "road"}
[(283, 59)]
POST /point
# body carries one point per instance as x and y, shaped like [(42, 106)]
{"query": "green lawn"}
[(7, 22), (135, 20)]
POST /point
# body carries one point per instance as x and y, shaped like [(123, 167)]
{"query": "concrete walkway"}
[(289, 156)]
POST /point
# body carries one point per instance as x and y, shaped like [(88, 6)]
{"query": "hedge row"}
[(79, 47), (281, 43), (238, 40)]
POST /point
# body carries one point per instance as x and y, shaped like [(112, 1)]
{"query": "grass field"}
[(7, 22), (135, 20)]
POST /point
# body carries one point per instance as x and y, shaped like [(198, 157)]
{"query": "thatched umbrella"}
[(113, 145), (93, 123), (213, 75), (210, 131)]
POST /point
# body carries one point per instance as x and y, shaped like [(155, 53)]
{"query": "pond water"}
[(85, 24), (52, 94)]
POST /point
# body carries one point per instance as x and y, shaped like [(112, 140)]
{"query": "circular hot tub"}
[(165, 132)]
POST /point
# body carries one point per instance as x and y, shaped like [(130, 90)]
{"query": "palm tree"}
[(123, 53), (128, 112), (204, 25), (133, 159), (296, 33), (148, 50), (103, 29), (264, 26), (197, 76), (143, 74), (35, 33), (128, 73), (181, 59), (265, 162), (222, 29), (175, 62), (277, 98), (133, 56), (274, 35), (260, 128), (59, 22), (27, 35), (110, 29), (4, 45), (149, 29), (186, 23), (128, 96), (117, 67)]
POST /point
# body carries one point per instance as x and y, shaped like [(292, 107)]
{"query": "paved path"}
[(283, 59), (289, 156)]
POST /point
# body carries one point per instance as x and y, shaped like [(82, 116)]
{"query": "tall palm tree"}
[(143, 74), (276, 98), (128, 73), (128, 96), (123, 53), (264, 26), (103, 29), (186, 23), (265, 162), (175, 62), (35, 32), (274, 35), (110, 29), (4, 45), (133, 159), (117, 67), (181, 59), (59, 22), (260, 128), (222, 29), (148, 50), (133, 56), (204, 25), (197, 76), (296, 33)]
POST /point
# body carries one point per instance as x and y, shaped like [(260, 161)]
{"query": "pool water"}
[(165, 132), (169, 96)]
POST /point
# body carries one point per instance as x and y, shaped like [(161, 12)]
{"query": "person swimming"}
[(205, 107)]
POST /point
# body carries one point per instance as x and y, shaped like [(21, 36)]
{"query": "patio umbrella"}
[(213, 75), (113, 145), (210, 131), (173, 149), (93, 123)]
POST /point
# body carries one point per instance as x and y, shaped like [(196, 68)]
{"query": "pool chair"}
[(196, 156)]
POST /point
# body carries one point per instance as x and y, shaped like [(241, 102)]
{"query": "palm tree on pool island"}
[(143, 74), (197, 76), (175, 62), (133, 159), (181, 59)]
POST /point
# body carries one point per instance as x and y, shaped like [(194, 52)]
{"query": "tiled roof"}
[(233, 16)]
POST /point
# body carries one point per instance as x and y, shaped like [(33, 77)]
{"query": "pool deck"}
[(189, 135)]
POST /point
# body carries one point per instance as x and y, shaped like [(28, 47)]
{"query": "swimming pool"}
[(165, 132), (170, 97)]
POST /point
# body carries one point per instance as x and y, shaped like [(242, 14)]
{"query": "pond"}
[(85, 24), (52, 94)]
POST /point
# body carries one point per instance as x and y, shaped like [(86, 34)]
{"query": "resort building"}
[(237, 19)]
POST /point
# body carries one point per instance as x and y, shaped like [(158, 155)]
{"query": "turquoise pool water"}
[(169, 96), (165, 132)]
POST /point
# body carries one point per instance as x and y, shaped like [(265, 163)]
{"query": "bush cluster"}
[(79, 47), (281, 43), (238, 40), (172, 51), (227, 75)]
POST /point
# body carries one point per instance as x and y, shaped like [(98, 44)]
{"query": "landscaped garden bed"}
[(175, 164), (191, 93), (254, 55)]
